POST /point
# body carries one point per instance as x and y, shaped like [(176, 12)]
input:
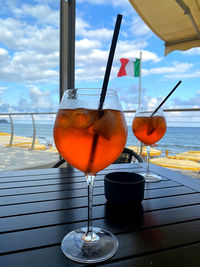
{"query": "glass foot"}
[(151, 177), (102, 247)]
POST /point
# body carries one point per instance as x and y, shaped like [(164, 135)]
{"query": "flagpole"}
[(139, 94), (139, 148)]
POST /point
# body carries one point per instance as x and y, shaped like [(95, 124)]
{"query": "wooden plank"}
[(177, 177), (72, 179), (132, 244), (70, 186), (53, 256), (69, 194), (148, 204), (47, 188), (149, 240), (49, 171), (55, 205), (24, 177), (178, 257), (150, 218)]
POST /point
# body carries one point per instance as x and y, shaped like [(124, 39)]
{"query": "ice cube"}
[(83, 118), (152, 124), (105, 124), (63, 120)]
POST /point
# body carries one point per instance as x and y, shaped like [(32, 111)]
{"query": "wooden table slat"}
[(45, 196), (178, 257), (131, 244), (55, 205)]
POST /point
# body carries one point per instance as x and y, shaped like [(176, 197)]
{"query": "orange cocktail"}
[(90, 134), (149, 126), (74, 133), (149, 130)]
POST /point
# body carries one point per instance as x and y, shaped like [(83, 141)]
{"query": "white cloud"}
[(11, 32), (83, 29), (177, 67), (39, 98), (139, 28), (4, 57), (81, 26), (43, 13), (120, 3), (87, 45), (38, 101), (2, 89), (194, 74), (132, 49), (193, 101), (192, 52), (30, 66)]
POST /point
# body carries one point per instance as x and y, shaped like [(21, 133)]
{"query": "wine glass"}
[(90, 140), (149, 128)]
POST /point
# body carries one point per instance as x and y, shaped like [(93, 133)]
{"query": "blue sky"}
[(29, 56)]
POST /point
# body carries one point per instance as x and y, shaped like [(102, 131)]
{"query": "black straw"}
[(110, 60), (105, 85), (166, 98)]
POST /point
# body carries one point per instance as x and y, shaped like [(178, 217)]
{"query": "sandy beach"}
[(15, 158)]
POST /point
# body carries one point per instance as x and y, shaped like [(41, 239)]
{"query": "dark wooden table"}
[(38, 207)]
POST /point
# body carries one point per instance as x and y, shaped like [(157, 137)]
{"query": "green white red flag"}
[(129, 67)]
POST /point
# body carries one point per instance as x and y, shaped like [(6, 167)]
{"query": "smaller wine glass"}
[(149, 128)]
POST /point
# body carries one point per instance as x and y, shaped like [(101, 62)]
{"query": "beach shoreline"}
[(15, 158)]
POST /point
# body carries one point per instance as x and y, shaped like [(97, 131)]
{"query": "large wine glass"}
[(90, 139), (149, 128)]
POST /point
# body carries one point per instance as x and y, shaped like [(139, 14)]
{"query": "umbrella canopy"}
[(176, 22)]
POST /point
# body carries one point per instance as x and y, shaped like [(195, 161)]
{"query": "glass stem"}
[(148, 158), (89, 235)]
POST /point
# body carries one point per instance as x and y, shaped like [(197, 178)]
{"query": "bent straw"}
[(166, 98), (105, 85), (110, 60)]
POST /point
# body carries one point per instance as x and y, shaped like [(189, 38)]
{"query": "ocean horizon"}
[(175, 140)]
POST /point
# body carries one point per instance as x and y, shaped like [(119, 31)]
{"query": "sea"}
[(176, 139)]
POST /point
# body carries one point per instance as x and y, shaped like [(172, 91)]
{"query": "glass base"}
[(151, 177), (102, 247)]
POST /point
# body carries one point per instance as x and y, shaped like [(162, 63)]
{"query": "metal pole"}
[(139, 103), (139, 94), (71, 43), (67, 45), (34, 131), (12, 130)]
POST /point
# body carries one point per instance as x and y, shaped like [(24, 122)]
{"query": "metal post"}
[(140, 77), (12, 130), (34, 131), (67, 45)]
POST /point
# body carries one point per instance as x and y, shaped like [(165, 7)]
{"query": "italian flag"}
[(129, 67)]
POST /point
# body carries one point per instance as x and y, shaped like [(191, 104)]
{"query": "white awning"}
[(176, 22)]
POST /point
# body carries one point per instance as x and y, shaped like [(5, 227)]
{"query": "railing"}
[(178, 116), (11, 115), (174, 117)]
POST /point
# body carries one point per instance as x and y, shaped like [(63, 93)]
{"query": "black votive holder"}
[(124, 188)]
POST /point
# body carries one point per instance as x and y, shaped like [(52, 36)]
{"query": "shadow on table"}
[(125, 214)]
